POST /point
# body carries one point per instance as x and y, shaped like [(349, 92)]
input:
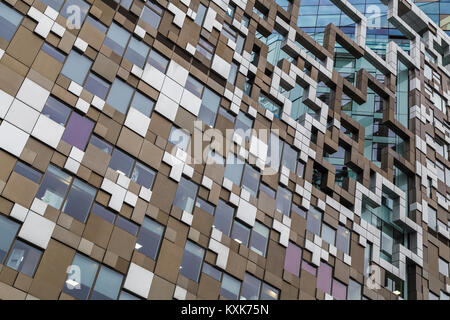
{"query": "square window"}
[(79, 282), (179, 138), (194, 86), (192, 261), (185, 196), (205, 206), (127, 225), (97, 86), (78, 131), (8, 231), (339, 290), (354, 290), (211, 271), (54, 187), (137, 52), (56, 110), (250, 288), (152, 14), (79, 201), (103, 213), (269, 293), (101, 144), (149, 239), (107, 285), (143, 175), (121, 162), (117, 39), (142, 104), (120, 96), (76, 67), (69, 9), (158, 61), (24, 258)]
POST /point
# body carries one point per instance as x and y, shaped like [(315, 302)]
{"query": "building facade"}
[(224, 149)]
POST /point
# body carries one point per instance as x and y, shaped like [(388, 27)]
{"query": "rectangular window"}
[(223, 217), (149, 238), (185, 196), (79, 282), (267, 190), (205, 48), (103, 213), (250, 180), (293, 258), (200, 17), (8, 231), (314, 221), (259, 239), (324, 277), (211, 271), (233, 73), (24, 258), (120, 96), (127, 225), (243, 126), (354, 290), (284, 200), (233, 169), (192, 261), (205, 206), (117, 39), (210, 105), (121, 162), (268, 292), (101, 144), (443, 267), (54, 53), (78, 131), (432, 220), (79, 201), (152, 14), (230, 287), (28, 172), (142, 104), (10, 20), (274, 152), (54, 187), (268, 104), (328, 234), (76, 67), (158, 61), (343, 239), (240, 233), (290, 157), (56, 110), (194, 86), (143, 175), (179, 138), (107, 285), (339, 290), (250, 288)]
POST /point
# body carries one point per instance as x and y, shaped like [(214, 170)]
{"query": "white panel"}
[(33, 94), (246, 212), (12, 139), (166, 107), (22, 116), (48, 131), (37, 229), (139, 280), (5, 103), (137, 121)]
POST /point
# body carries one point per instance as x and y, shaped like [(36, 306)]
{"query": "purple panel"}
[(324, 278), (339, 290), (309, 268), (292, 260), (78, 130)]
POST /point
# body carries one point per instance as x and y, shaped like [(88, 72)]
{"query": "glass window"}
[(201, 11), (243, 125), (54, 187), (443, 267), (192, 261), (259, 238), (143, 175), (269, 293), (296, 209), (28, 172), (9, 21), (103, 213), (78, 131), (194, 86), (240, 233), (127, 296), (121, 162), (68, 10), (79, 282), (127, 225), (289, 159), (185, 196), (179, 138), (97, 86), (107, 285), (267, 190), (142, 104), (432, 222), (205, 48), (314, 221), (250, 180), (101, 144), (223, 217), (137, 52), (54, 53), (233, 73), (158, 61), (205, 206), (120, 96), (24, 258), (283, 202), (444, 296), (152, 14), (117, 39), (211, 271), (354, 290), (250, 288), (8, 230), (76, 67), (324, 277), (230, 287), (209, 107), (328, 234), (343, 239), (56, 110), (233, 169), (79, 201), (339, 290), (149, 238), (293, 258), (274, 152)]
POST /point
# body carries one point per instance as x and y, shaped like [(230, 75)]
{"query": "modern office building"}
[(224, 149)]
